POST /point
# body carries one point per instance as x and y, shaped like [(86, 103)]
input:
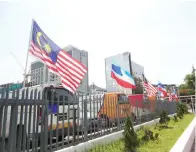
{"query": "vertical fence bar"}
[(93, 123), (42, 129), (68, 118), (56, 100), (117, 111), (74, 125), (19, 142), (25, 120), (34, 120), (110, 114), (63, 122), (50, 97), (100, 111), (78, 117), (81, 116), (29, 122), (5, 120), (16, 126), (1, 117), (13, 119), (90, 101), (97, 110), (38, 123), (85, 119), (74, 122), (46, 126)]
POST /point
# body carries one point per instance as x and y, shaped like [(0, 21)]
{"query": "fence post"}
[(192, 104), (117, 110), (85, 118), (137, 111), (46, 127)]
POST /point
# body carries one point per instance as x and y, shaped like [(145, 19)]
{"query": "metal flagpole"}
[(28, 53)]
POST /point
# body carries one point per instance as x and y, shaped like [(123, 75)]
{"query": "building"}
[(95, 90), (123, 60), (81, 56), (11, 86), (41, 75)]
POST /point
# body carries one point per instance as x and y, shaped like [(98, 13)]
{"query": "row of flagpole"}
[(129, 58)]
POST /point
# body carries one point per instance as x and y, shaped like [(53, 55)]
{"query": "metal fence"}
[(40, 121)]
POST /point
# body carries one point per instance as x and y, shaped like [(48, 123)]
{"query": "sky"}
[(161, 35)]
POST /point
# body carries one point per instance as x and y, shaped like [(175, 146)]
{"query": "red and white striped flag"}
[(57, 60), (150, 89), (170, 97)]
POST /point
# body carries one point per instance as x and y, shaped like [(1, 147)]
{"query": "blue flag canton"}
[(41, 40)]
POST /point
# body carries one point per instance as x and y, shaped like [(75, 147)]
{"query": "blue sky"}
[(161, 35)]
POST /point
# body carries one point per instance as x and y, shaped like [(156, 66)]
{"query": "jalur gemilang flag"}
[(122, 77), (57, 60)]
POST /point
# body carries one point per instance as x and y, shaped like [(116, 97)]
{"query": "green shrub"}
[(149, 135), (175, 118), (130, 137), (164, 118), (181, 110)]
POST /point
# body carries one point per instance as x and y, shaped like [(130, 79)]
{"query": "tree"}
[(183, 87), (130, 137), (188, 87), (190, 81), (164, 119)]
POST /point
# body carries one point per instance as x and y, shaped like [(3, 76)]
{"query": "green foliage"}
[(188, 87), (181, 109), (149, 135), (164, 119), (130, 137), (175, 118), (190, 81), (186, 92), (166, 138)]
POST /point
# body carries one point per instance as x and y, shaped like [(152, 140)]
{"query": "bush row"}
[(130, 139)]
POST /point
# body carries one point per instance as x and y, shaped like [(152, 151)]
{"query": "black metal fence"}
[(48, 120)]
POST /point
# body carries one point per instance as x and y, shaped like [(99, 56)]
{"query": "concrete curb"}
[(83, 147)]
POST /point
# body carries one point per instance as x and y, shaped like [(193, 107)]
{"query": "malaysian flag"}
[(57, 60), (149, 88)]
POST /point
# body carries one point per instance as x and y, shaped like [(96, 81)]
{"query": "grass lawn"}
[(167, 138)]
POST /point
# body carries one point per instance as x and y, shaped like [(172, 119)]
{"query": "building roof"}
[(93, 86)]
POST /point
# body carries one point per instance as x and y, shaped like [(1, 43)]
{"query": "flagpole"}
[(28, 54)]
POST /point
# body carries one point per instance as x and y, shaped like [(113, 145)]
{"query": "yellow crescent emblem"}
[(38, 36), (45, 46)]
